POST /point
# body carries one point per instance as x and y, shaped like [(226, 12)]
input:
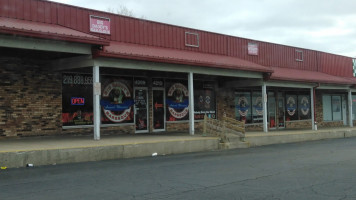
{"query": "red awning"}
[(286, 74), (159, 54), (47, 31)]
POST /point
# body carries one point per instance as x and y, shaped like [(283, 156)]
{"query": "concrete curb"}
[(73, 155), (261, 140)]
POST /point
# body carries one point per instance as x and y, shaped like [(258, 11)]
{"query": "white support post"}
[(96, 102), (351, 124), (264, 106), (191, 103), (312, 109)]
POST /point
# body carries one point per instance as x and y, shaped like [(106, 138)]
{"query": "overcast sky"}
[(325, 25)]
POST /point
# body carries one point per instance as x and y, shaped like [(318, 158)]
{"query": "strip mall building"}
[(66, 70)]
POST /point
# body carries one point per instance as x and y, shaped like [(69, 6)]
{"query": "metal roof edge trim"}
[(53, 36), (179, 61), (314, 81)]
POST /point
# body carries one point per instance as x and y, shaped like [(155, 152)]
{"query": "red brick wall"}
[(30, 99)]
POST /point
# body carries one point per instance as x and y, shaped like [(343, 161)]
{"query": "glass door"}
[(281, 111), (344, 110), (158, 110), (271, 110), (141, 114)]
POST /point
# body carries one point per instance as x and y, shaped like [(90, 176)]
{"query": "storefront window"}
[(336, 107), (243, 106), (304, 107), (332, 108), (297, 106), (204, 99), (291, 107), (353, 107), (77, 99), (177, 101), (257, 107), (117, 100)]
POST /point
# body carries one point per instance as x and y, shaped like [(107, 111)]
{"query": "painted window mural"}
[(117, 100), (243, 109), (257, 107), (304, 106), (177, 100), (204, 99), (248, 106), (297, 106), (291, 107), (77, 99)]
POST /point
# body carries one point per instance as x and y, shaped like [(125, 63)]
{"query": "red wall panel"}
[(4, 8), (34, 11), (19, 9), (12, 9), (27, 10), (60, 15), (67, 17), (73, 18), (40, 11), (47, 12)]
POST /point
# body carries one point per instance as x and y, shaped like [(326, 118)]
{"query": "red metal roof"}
[(287, 74), (47, 31), (158, 54)]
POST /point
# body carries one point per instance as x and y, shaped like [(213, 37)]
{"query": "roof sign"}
[(99, 24), (253, 49)]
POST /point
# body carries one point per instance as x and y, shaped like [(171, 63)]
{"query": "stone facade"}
[(299, 124)]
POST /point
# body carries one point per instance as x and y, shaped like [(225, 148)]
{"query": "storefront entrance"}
[(276, 111), (141, 108), (158, 110)]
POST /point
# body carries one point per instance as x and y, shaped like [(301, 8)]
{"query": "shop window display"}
[(177, 100), (204, 99), (298, 107), (77, 99), (332, 108), (117, 100)]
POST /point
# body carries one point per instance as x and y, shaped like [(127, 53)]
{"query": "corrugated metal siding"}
[(139, 31), (336, 65)]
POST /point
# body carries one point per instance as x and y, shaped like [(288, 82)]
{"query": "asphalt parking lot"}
[(309, 170)]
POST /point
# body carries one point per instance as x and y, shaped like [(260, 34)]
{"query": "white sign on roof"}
[(99, 24)]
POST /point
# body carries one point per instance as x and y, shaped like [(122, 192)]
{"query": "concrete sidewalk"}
[(17, 152)]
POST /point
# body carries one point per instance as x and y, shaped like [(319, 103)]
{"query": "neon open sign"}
[(77, 101)]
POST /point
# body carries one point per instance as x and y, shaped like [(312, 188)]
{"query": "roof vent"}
[(299, 55), (191, 39)]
